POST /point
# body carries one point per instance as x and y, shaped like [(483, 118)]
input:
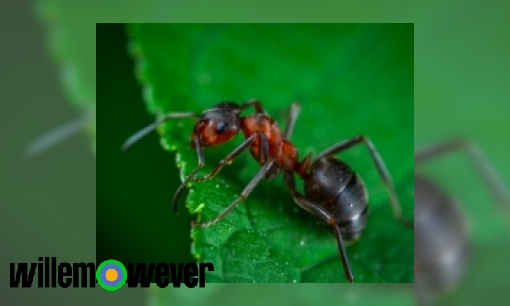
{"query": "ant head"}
[(218, 124)]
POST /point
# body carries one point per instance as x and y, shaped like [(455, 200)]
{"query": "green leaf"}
[(284, 295), (71, 44), (349, 79)]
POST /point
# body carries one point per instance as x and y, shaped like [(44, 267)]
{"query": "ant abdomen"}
[(332, 184), (441, 248)]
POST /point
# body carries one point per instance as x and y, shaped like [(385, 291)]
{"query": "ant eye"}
[(221, 127)]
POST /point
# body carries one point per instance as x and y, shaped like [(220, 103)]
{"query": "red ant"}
[(334, 192)]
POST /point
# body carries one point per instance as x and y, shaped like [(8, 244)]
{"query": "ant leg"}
[(381, 167), (422, 295), (243, 196), (263, 155), (201, 163), (256, 104), (319, 211), (151, 127), (293, 113), (493, 182)]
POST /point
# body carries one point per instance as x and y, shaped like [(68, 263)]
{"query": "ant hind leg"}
[(381, 168), (322, 213), (486, 172)]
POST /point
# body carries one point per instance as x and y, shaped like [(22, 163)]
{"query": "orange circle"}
[(111, 275)]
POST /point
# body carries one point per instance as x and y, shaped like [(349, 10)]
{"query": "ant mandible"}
[(333, 191)]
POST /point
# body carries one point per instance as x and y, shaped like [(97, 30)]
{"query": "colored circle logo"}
[(111, 275)]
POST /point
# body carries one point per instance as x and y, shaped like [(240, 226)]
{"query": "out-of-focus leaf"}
[(73, 48)]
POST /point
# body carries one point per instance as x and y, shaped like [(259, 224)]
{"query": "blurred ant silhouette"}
[(333, 191), (441, 230)]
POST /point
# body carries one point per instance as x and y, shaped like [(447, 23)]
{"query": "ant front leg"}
[(381, 168), (322, 213), (263, 154), (201, 164), (256, 104), (265, 169)]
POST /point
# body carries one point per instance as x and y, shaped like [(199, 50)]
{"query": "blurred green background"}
[(461, 89), (460, 84)]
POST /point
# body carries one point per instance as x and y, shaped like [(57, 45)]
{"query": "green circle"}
[(100, 280)]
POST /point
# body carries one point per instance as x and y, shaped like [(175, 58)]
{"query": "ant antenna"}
[(151, 127), (55, 136)]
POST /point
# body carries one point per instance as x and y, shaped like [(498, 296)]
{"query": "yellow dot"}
[(111, 275)]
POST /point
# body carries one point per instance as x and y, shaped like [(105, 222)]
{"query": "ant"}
[(333, 191), (440, 262)]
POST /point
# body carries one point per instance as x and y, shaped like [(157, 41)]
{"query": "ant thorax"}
[(284, 152), (261, 122)]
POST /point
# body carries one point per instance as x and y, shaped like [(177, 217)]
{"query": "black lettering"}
[(76, 274), (22, 274), (162, 279), (46, 272), (191, 270), (40, 273), (133, 275), (140, 275), (64, 271), (176, 275), (54, 272), (210, 267)]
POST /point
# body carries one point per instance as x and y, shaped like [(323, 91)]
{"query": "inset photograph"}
[(278, 153)]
